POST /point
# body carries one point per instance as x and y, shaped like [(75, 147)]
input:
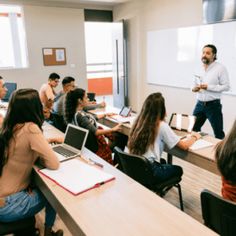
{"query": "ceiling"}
[(89, 1), (68, 3)]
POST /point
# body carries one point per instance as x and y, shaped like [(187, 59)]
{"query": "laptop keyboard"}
[(63, 151)]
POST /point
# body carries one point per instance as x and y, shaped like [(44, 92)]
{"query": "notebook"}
[(201, 143), (75, 138), (77, 177)]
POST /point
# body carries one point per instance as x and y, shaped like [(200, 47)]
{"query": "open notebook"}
[(200, 143), (77, 177)]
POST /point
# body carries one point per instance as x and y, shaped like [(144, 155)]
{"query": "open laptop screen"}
[(182, 122), (75, 136), (125, 111)]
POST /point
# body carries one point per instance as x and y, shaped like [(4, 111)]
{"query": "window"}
[(13, 51)]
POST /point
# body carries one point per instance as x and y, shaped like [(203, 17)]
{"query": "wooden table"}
[(120, 207), (111, 122), (203, 158)]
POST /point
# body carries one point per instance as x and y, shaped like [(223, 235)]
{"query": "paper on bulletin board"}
[(60, 55), (47, 51)]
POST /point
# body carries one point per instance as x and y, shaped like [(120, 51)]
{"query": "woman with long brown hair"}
[(21, 144), (226, 162), (76, 101), (150, 133)]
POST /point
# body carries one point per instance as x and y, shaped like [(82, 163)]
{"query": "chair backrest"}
[(58, 122), (21, 227), (10, 88), (137, 167), (91, 96), (182, 122), (219, 214)]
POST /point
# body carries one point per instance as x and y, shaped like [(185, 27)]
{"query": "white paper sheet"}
[(201, 143)]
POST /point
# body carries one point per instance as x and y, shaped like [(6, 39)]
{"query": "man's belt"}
[(209, 102)]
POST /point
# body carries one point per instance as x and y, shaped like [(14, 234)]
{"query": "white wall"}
[(143, 16), (51, 27)]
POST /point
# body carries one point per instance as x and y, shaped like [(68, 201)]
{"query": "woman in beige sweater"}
[(21, 144)]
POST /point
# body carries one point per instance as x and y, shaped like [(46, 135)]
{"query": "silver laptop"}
[(183, 123), (75, 138)]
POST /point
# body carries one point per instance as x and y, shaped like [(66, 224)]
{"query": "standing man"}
[(209, 86)]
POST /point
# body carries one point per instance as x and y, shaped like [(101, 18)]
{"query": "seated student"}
[(68, 84), (3, 91), (75, 102), (21, 144), (150, 133), (226, 162), (47, 92)]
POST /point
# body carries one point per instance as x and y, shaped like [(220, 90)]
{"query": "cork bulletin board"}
[(54, 56)]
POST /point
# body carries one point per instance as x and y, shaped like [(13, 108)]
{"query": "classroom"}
[(60, 24)]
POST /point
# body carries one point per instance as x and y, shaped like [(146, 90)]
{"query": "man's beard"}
[(205, 61)]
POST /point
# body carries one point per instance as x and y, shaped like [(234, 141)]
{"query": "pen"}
[(99, 184), (95, 163)]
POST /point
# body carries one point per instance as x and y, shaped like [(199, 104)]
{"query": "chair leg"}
[(169, 158), (180, 197)]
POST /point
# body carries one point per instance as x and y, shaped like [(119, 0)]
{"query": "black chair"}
[(91, 97), (10, 88), (19, 228), (91, 142), (58, 122), (218, 214), (139, 168)]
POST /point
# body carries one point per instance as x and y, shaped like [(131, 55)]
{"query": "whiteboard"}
[(174, 55)]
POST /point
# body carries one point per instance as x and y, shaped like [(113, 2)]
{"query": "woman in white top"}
[(150, 133)]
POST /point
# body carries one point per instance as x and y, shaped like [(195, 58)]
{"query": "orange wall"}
[(100, 86)]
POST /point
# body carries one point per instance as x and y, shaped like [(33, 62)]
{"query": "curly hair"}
[(226, 156), (145, 128), (71, 103), (24, 106)]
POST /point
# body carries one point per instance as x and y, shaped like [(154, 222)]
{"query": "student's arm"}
[(84, 122), (39, 144), (189, 141), (169, 137), (49, 93), (92, 106), (108, 131)]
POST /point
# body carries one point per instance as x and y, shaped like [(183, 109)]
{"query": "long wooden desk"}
[(120, 207), (203, 158)]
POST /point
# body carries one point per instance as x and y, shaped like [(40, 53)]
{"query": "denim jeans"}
[(24, 204), (164, 172), (213, 112)]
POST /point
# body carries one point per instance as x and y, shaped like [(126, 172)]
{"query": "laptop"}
[(182, 122), (124, 115), (75, 138)]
